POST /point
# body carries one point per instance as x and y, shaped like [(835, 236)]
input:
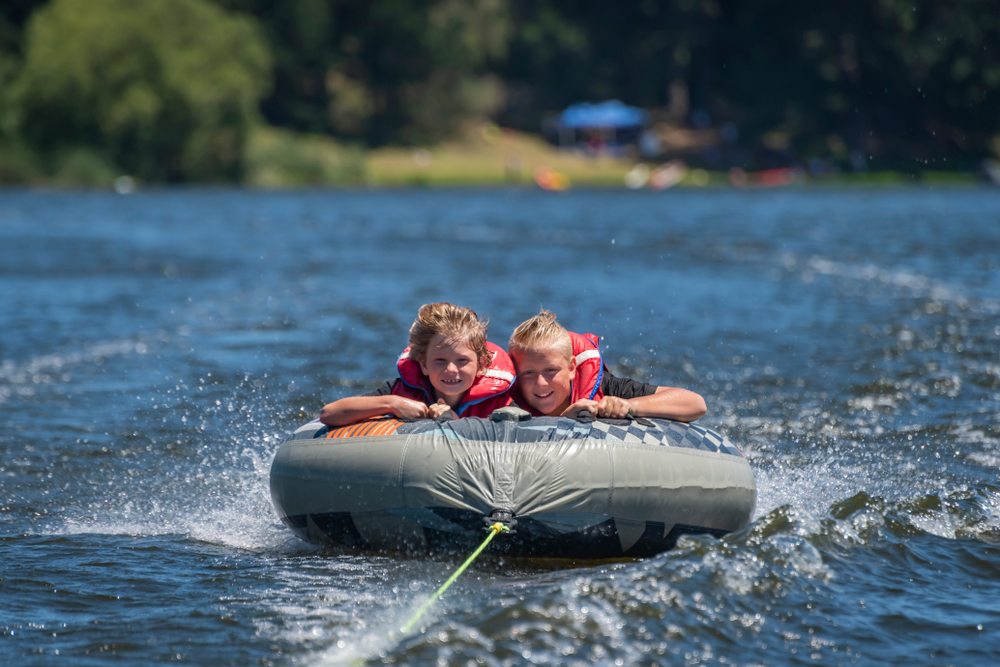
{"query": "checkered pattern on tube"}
[(671, 434)]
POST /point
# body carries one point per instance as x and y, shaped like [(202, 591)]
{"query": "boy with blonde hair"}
[(560, 373)]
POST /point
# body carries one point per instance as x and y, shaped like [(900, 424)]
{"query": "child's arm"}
[(358, 408), (643, 400), (668, 403)]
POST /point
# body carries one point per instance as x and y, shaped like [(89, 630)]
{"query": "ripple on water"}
[(155, 349)]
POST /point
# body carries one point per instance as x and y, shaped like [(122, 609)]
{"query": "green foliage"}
[(391, 71), (279, 158), (18, 163), (168, 89), (165, 88), (563, 52), (83, 166), (13, 15), (900, 81)]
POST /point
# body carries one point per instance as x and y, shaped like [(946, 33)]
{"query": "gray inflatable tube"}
[(570, 489)]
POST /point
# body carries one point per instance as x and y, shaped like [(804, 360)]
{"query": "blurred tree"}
[(894, 82), (13, 15), (900, 84), (164, 89), (393, 71), (867, 83), (563, 52), (18, 162)]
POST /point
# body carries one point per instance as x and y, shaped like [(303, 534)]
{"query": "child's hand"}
[(612, 407), (609, 407), (440, 408), (408, 409), (583, 404)]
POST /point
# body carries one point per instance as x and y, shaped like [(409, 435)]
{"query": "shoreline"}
[(486, 156), (715, 181)]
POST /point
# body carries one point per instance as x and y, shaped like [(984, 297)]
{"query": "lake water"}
[(156, 348)]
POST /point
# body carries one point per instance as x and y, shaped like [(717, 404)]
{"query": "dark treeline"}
[(166, 89)]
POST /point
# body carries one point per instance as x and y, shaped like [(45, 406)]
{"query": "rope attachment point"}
[(498, 526), (502, 516)]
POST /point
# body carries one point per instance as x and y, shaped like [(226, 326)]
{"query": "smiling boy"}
[(560, 373)]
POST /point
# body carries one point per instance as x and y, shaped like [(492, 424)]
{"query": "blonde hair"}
[(454, 323), (541, 332)]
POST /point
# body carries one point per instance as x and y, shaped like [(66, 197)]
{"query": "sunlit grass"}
[(277, 158), (487, 155)]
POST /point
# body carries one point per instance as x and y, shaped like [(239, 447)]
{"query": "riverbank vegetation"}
[(404, 92)]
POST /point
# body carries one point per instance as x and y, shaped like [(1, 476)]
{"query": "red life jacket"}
[(488, 392), (586, 381)]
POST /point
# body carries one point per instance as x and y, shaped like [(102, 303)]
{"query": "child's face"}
[(451, 366), (545, 378)]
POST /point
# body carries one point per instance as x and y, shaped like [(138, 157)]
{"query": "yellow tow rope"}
[(495, 530)]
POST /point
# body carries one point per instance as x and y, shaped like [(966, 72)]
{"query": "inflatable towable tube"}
[(571, 489)]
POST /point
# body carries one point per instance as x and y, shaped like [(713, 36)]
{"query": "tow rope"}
[(495, 530)]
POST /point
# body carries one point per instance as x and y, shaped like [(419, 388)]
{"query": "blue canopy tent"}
[(612, 122)]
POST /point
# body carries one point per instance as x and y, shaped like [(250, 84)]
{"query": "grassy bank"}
[(487, 156), (482, 155)]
